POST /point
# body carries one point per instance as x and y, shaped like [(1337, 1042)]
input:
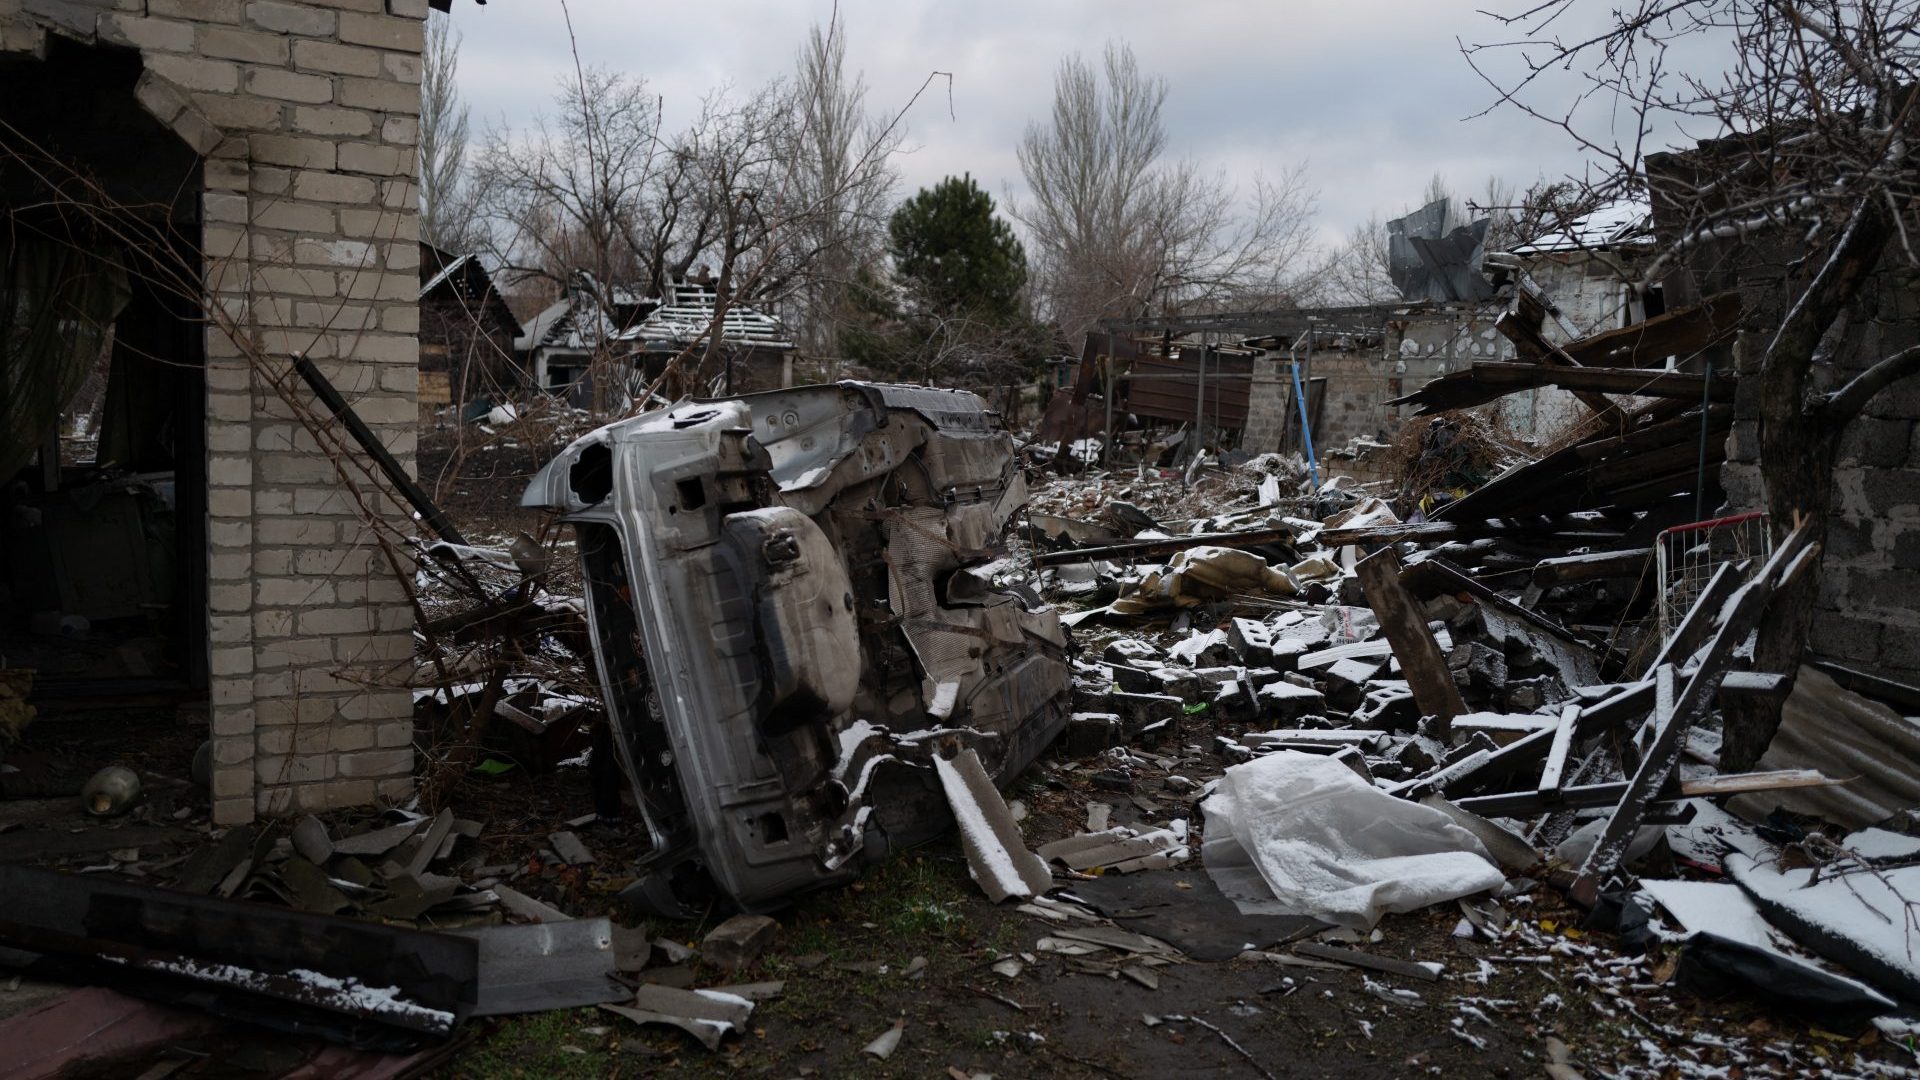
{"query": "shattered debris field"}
[(1310, 812)]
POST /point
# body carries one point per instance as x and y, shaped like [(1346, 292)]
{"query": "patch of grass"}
[(541, 1045)]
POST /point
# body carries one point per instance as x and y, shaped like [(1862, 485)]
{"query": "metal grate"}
[(1687, 556)]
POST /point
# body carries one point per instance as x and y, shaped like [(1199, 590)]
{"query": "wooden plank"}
[(1355, 958), (1601, 564), (1742, 614), (1638, 382), (1412, 641), (1151, 549), (1530, 342), (1679, 332), (1387, 534), (1465, 582), (1554, 771), (1587, 796)]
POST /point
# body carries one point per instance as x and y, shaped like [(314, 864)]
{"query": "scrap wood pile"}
[(504, 678), (1514, 689)]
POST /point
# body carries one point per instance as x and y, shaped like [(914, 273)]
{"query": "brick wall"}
[(306, 112)]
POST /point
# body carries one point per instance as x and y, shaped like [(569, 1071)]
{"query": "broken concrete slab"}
[(310, 839), (571, 849), (704, 1014), (739, 941)]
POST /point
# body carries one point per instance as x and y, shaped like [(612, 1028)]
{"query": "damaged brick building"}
[(268, 145)]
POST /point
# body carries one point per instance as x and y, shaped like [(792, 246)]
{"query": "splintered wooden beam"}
[(1600, 564), (1406, 630), (1529, 342), (1680, 332), (1554, 771), (1669, 727), (1638, 382)]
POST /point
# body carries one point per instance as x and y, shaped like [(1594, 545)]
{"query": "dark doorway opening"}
[(103, 488)]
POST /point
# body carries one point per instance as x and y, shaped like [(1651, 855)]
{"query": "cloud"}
[(1373, 94)]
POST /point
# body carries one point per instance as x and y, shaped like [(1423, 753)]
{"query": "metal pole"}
[(1306, 436), (1700, 481), (1306, 377), (1199, 406), (1106, 442)]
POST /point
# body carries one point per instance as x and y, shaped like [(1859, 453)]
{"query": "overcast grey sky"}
[(1372, 94)]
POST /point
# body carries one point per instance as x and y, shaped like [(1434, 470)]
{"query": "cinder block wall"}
[(1868, 612), (307, 113)]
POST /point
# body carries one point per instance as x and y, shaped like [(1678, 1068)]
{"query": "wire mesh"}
[(1687, 557)]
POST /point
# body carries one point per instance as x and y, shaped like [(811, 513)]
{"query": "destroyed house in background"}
[(467, 332), (190, 554), (1463, 306), (638, 335)]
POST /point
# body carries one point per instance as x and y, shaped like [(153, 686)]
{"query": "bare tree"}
[(844, 178), (1806, 194), (447, 213), (1116, 230), (571, 194)]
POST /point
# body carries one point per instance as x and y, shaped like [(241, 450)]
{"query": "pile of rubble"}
[(1512, 689)]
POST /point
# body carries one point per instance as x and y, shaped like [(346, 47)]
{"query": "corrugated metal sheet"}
[(1228, 381)]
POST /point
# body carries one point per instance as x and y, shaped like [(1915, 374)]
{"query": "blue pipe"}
[(1306, 435)]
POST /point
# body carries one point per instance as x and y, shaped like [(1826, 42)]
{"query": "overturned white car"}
[(792, 604)]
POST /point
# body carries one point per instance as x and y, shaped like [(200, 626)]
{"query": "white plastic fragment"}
[(1320, 841), (883, 1046)]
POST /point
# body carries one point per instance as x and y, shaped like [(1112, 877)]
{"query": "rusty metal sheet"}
[(1173, 400)]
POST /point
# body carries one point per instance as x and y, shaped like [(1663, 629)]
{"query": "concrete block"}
[(400, 130), (376, 159), (383, 31), (738, 942), (229, 812), (375, 763), (292, 151), (326, 120), (133, 31), (1845, 637), (1877, 443), (379, 94)]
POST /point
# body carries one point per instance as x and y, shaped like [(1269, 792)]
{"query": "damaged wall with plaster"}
[(306, 113)]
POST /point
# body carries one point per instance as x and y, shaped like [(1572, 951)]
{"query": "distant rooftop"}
[(1624, 223)]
